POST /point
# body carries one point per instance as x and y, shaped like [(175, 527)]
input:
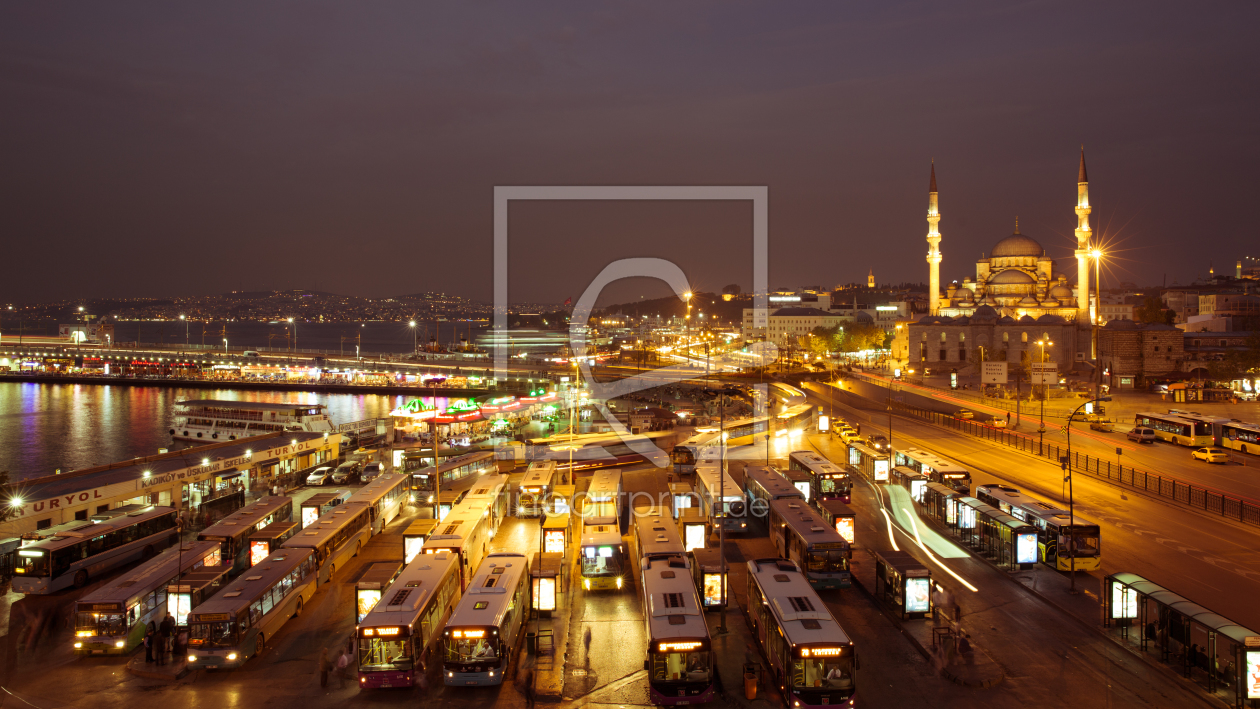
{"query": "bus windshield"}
[(1086, 543), (826, 561), (830, 673), (601, 561), (31, 563), (680, 666), (465, 650), (221, 634), (97, 623), (378, 654), (684, 456)]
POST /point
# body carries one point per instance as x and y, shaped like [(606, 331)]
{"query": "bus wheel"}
[(148, 552), (298, 611), (260, 645), (358, 547), (1244, 450), (80, 578)]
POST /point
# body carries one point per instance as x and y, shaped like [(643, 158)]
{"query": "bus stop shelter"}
[(902, 582), (708, 569), (414, 537), (1216, 653)]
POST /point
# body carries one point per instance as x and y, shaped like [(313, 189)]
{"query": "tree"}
[(1153, 311)]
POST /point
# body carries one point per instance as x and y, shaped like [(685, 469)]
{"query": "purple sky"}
[(157, 150)]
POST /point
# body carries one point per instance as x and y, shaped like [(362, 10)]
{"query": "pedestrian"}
[(181, 643), (150, 637), (1008, 419), (586, 643), (964, 649), (343, 668), (324, 666), (163, 637), (529, 690)]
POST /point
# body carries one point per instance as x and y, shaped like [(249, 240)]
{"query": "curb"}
[(152, 674)]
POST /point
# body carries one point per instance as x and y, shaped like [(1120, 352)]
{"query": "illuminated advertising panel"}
[(1253, 674), (545, 594), (365, 599), (712, 589), (553, 541), (855, 456), (824, 424), (917, 590), (179, 605), (881, 470), (966, 517), (258, 551), (844, 525), (309, 515), (917, 489), (1026, 548), (411, 547), (1124, 602), (951, 511)]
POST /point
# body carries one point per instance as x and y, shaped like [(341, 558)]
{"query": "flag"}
[(568, 301)]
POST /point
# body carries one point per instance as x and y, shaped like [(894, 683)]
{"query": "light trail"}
[(932, 556), (891, 537)]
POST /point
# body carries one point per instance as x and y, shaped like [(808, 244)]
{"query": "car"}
[(1099, 425), (320, 475), (346, 472), (1141, 434), (964, 414), (371, 471), (849, 434), (878, 442), (1210, 455), (997, 422)]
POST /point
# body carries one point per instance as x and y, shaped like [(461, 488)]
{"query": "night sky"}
[(154, 150)]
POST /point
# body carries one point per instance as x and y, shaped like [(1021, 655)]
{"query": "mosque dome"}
[(1012, 277), (1061, 293), (1017, 245)]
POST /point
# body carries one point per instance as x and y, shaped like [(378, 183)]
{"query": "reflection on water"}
[(44, 427)]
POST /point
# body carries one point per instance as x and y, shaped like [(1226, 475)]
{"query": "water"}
[(44, 427)]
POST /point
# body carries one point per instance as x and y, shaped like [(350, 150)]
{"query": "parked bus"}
[(468, 528), (399, 632), (762, 484), (73, 553), (872, 463), (537, 484), (679, 654), (320, 504), (721, 499), (812, 658), (793, 421), (802, 535), (1174, 427), (451, 469), (112, 619), (1241, 436), (603, 500), (482, 632), (602, 553), (233, 532), (827, 481), (385, 497), (234, 625), (936, 468), (1055, 528), (335, 538)]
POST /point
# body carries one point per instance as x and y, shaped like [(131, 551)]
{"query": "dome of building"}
[(1052, 319), (984, 313), (1011, 277), (1017, 245), (1029, 302), (1061, 293)]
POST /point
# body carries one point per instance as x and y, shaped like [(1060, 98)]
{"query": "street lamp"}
[(1071, 506), (294, 334), (415, 344), (225, 345), (1041, 430), (185, 319)]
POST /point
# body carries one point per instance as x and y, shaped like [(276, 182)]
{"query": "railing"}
[(1058, 407), (1199, 497)]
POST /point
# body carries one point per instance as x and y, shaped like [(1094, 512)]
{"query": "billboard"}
[(918, 589), (1123, 601), (993, 373), (1026, 548)]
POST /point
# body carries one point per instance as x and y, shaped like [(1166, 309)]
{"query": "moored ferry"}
[(219, 420)]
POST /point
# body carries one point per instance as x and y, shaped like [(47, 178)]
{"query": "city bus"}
[(112, 619), (602, 501), (799, 533), (603, 555), (872, 463), (335, 538), (827, 481), (399, 632), (721, 499), (762, 484), (233, 532), (73, 553), (538, 482), (235, 623), (1241, 436), (812, 658), (1055, 528), (482, 632), (679, 653), (468, 528), (384, 496), (1178, 428), (936, 468), (793, 421), (451, 469)]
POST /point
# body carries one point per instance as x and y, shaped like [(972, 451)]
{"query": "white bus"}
[(802, 535), (385, 497), (936, 468), (424, 480), (539, 480), (721, 499), (335, 538), (112, 619), (764, 483), (70, 554), (467, 529), (483, 630), (679, 659), (812, 658), (1241, 436), (601, 550), (1178, 427), (827, 481), (603, 499), (235, 624), (400, 630), (233, 532)]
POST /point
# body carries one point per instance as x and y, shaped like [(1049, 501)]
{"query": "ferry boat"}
[(218, 420)]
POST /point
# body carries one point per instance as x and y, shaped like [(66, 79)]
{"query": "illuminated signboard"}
[(824, 424), (1253, 674), (309, 515), (460, 406), (1124, 603), (712, 589), (917, 489), (951, 511), (468, 633), (821, 651), (553, 541), (411, 547), (966, 517), (881, 471), (365, 599), (1026, 548), (679, 646), (179, 605), (855, 457), (844, 525), (545, 594), (917, 590), (258, 551)]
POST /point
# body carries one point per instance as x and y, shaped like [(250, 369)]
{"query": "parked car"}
[(371, 471), (848, 434), (1210, 455), (878, 442), (320, 475), (346, 472), (997, 422), (964, 414), (1142, 434), (1100, 425)]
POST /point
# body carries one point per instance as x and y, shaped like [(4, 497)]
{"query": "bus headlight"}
[(362, 680), (586, 583), (120, 643), (78, 645), (450, 674), (231, 657), (192, 658), (491, 673), (618, 582)]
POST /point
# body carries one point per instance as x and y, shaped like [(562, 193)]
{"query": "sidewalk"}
[(734, 650), (549, 661), (170, 672)]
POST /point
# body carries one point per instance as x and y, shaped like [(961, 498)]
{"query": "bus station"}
[(903, 583)]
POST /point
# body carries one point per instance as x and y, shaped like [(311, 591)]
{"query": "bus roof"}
[(931, 460), (323, 529), (816, 463), (412, 592), (712, 479), (245, 520), (657, 534), (463, 517), (1242, 425), (323, 498), (600, 534), (539, 474), (808, 525), (494, 584), (670, 593), (374, 491), (137, 583), (774, 485), (73, 533), (793, 602), (237, 595)]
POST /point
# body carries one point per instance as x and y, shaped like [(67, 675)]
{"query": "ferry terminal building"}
[(186, 479)]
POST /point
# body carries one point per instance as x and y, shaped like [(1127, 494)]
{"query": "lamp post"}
[(1041, 430), (1071, 505), (415, 343), (225, 349), (185, 319), (294, 334)]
